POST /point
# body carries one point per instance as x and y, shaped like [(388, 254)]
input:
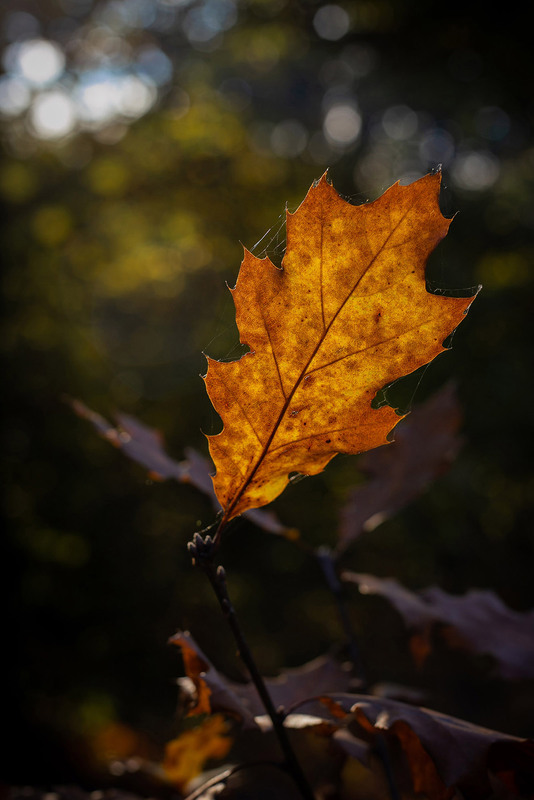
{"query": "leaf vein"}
[(372, 346), (324, 433), (236, 398), (321, 276), (275, 359)]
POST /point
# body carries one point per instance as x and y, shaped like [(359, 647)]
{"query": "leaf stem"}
[(202, 552)]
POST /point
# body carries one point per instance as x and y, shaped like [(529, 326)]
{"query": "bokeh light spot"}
[(51, 225), (374, 171), (124, 15), (399, 122), (18, 182), (21, 25), (504, 270), (361, 58), (331, 22), (39, 61), (493, 123), (108, 177), (136, 96), (14, 96), (342, 124), (257, 170), (206, 21), (152, 62), (104, 96), (436, 147), (53, 114), (475, 170), (263, 48), (289, 139), (97, 98)]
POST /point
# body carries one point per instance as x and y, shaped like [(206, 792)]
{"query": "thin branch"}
[(383, 754), (202, 552), (327, 562), (197, 793)]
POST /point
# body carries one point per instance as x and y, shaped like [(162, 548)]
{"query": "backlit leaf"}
[(347, 314)]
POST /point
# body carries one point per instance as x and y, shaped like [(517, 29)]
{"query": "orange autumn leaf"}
[(196, 666), (347, 314), (185, 756)]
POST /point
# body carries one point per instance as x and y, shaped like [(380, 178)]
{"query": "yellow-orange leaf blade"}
[(347, 314), (185, 756)]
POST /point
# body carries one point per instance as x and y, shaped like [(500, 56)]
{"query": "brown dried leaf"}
[(443, 753), (146, 446), (294, 686), (137, 441), (426, 443), (481, 621), (214, 692)]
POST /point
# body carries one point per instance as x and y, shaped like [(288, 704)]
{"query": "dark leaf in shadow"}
[(478, 621), (426, 443)]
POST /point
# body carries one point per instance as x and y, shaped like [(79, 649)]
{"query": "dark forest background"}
[(142, 141)]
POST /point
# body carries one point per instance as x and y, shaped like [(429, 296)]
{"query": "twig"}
[(202, 552), (328, 564), (197, 793), (325, 558), (383, 754)]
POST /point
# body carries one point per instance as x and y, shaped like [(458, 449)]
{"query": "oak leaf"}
[(477, 621), (426, 443), (146, 446), (442, 753), (214, 692), (347, 314)]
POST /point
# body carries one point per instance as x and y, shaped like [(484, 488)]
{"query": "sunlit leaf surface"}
[(348, 313)]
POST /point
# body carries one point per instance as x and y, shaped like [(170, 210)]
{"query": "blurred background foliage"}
[(143, 140)]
